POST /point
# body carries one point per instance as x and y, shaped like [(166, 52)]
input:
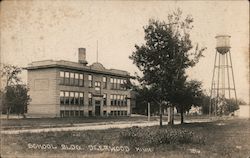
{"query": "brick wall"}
[(42, 84), (45, 93)]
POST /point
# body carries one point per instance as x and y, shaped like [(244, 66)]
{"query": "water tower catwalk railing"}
[(223, 84)]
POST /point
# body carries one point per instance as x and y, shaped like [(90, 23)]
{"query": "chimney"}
[(82, 56)]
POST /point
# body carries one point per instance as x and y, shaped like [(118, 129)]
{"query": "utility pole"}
[(97, 51)]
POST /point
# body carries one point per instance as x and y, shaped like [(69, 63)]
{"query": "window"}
[(66, 113), (125, 113), (112, 113), (76, 113), (66, 82), (112, 83), (115, 83), (118, 100), (61, 77), (71, 98), (81, 99), (90, 113), (72, 79), (115, 99), (104, 80), (62, 97), (90, 99), (90, 78), (97, 86), (104, 99), (122, 99), (81, 113), (62, 113), (112, 99), (104, 113), (76, 98), (66, 97), (125, 100), (76, 79), (118, 83), (121, 96), (81, 80), (72, 113), (124, 84)]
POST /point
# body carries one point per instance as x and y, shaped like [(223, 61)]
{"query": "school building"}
[(74, 89)]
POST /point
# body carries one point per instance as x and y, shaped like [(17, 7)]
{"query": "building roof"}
[(94, 68)]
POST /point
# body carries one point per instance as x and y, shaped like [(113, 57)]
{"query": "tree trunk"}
[(8, 112), (171, 117), (172, 114), (182, 117), (160, 116), (149, 111)]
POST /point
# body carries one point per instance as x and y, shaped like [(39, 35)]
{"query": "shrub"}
[(151, 136)]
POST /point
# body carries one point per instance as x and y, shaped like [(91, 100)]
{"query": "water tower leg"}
[(218, 86), (228, 77), (233, 77), (228, 80), (212, 87)]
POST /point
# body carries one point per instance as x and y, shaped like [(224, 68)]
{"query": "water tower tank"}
[(223, 43)]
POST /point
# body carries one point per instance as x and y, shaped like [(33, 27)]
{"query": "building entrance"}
[(97, 108)]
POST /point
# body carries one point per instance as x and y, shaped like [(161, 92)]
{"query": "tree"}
[(232, 105), (166, 55), (241, 102), (205, 104), (10, 75), (11, 72), (17, 99), (189, 95), (145, 95), (1, 101), (228, 106)]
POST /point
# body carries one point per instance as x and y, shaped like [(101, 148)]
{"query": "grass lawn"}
[(228, 138), (30, 123), (60, 122)]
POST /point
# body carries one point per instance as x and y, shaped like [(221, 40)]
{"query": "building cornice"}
[(75, 66)]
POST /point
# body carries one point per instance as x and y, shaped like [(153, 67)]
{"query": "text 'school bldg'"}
[(71, 89)]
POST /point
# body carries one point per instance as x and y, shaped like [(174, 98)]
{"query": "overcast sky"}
[(42, 30)]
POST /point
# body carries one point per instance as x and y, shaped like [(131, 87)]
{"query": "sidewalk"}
[(95, 126)]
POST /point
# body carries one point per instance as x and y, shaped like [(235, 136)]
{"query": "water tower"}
[(223, 84)]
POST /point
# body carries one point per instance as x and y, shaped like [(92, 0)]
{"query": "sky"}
[(44, 30)]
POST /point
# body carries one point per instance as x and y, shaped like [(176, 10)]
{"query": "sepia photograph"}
[(128, 79)]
